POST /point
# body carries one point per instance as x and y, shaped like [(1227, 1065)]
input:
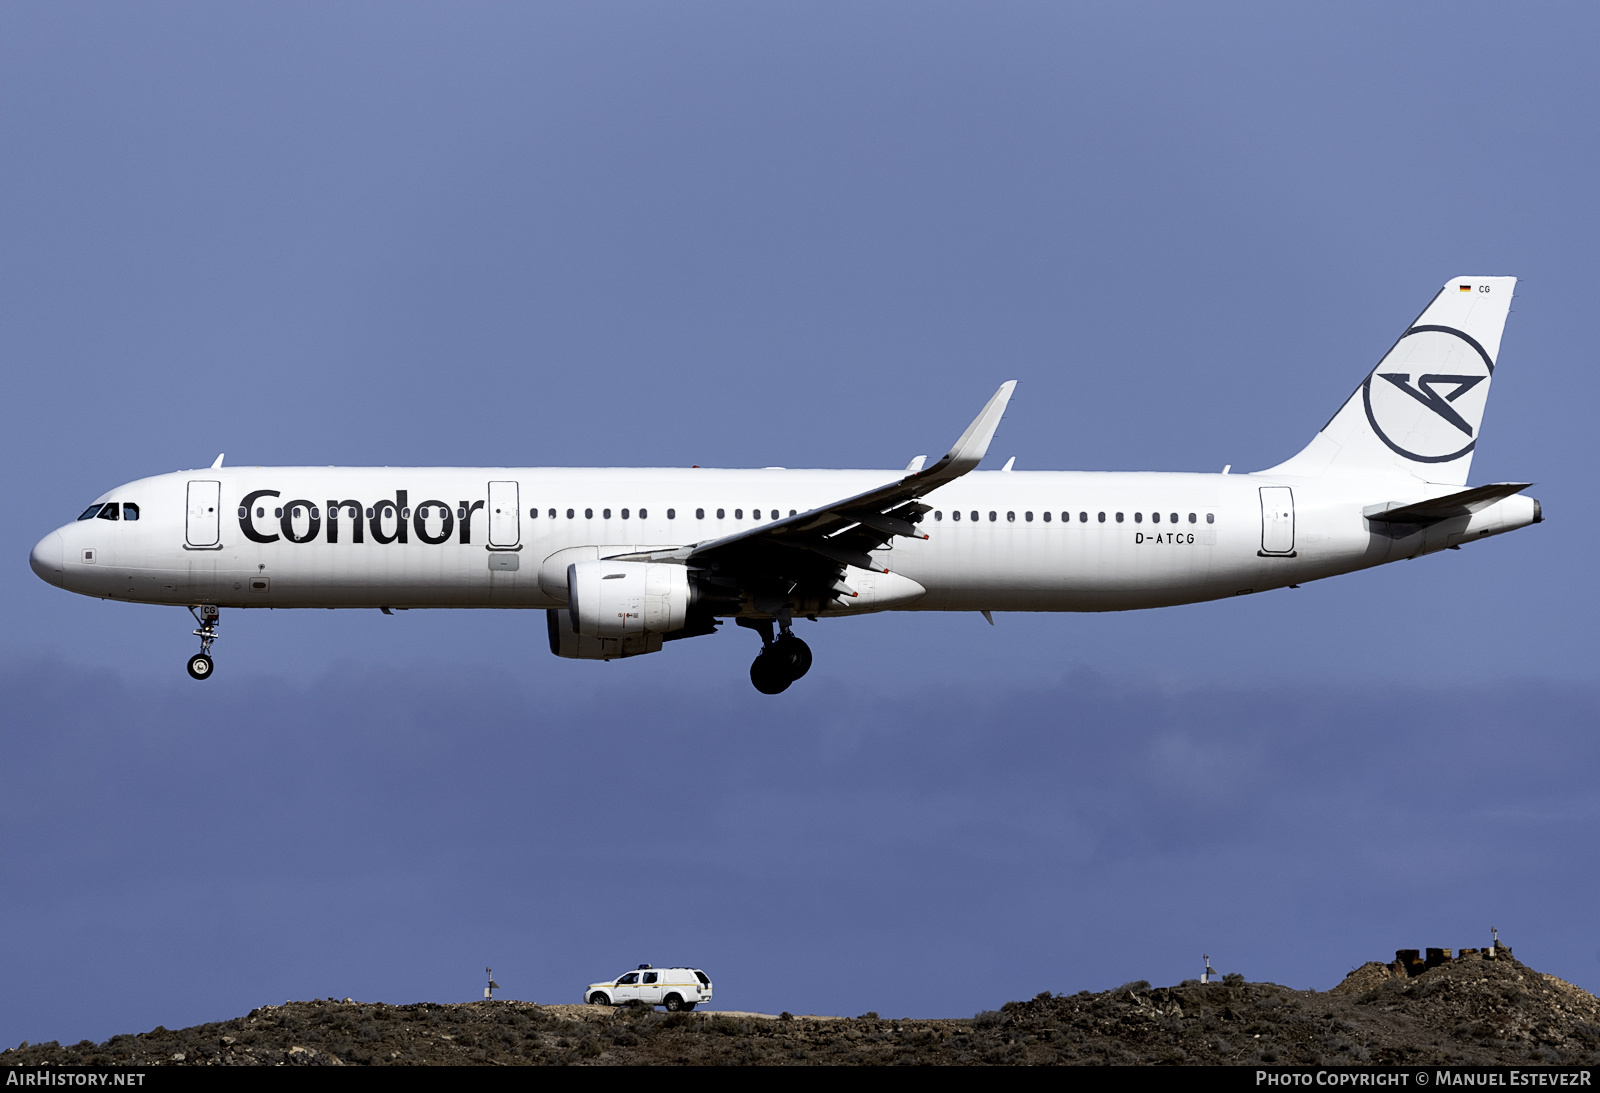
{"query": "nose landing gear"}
[(200, 665), (782, 660)]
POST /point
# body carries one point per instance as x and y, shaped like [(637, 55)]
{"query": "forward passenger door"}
[(202, 528), (505, 529)]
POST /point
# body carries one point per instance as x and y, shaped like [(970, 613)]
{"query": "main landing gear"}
[(782, 660), (200, 664)]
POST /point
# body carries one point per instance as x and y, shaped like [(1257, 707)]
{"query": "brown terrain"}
[(1471, 1010)]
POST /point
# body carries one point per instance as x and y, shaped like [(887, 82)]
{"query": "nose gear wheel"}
[(201, 665)]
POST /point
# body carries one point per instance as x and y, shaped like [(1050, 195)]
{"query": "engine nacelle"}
[(619, 609), (619, 599)]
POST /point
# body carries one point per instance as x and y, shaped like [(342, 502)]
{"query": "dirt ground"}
[(1472, 1010)]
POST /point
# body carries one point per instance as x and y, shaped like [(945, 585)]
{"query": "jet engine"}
[(619, 609)]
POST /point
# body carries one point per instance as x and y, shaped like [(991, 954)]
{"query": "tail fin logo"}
[(1427, 420), (1425, 394)]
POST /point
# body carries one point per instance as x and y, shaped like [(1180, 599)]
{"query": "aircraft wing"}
[(813, 545)]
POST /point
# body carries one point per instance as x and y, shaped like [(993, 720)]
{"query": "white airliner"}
[(626, 559)]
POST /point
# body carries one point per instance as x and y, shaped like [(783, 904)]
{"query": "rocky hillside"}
[(1471, 1010)]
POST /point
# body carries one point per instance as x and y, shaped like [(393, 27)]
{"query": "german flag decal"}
[(1466, 288)]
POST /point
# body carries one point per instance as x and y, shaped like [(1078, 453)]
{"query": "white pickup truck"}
[(678, 989)]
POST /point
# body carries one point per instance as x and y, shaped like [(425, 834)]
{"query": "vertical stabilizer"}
[(1418, 412)]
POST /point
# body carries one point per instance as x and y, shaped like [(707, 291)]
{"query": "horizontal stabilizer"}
[(1447, 507)]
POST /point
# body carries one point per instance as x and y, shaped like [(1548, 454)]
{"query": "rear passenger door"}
[(1277, 520), (650, 988)]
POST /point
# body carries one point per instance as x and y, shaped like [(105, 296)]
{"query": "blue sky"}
[(802, 235)]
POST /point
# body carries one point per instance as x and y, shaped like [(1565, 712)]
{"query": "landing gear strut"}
[(782, 660), (200, 664)]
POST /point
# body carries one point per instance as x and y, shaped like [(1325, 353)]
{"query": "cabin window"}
[(1083, 517), (1119, 517), (955, 514), (605, 514), (699, 514), (993, 516), (1211, 518), (672, 514), (1011, 517), (644, 514), (721, 513), (1191, 518), (533, 514), (588, 514), (1138, 517), (1174, 517), (571, 514), (624, 514), (791, 512), (738, 514), (938, 516), (1045, 515)]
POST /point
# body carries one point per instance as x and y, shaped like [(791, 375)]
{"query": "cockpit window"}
[(130, 511), (91, 512), (109, 512)]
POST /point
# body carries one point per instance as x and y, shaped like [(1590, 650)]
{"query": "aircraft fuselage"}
[(338, 537)]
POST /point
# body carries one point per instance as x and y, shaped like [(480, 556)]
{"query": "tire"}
[(200, 666), (770, 674), (797, 654), (673, 1002), (598, 999)]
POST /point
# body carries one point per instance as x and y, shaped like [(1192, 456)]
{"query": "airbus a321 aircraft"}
[(626, 560)]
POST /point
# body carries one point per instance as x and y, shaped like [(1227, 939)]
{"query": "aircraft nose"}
[(46, 559)]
